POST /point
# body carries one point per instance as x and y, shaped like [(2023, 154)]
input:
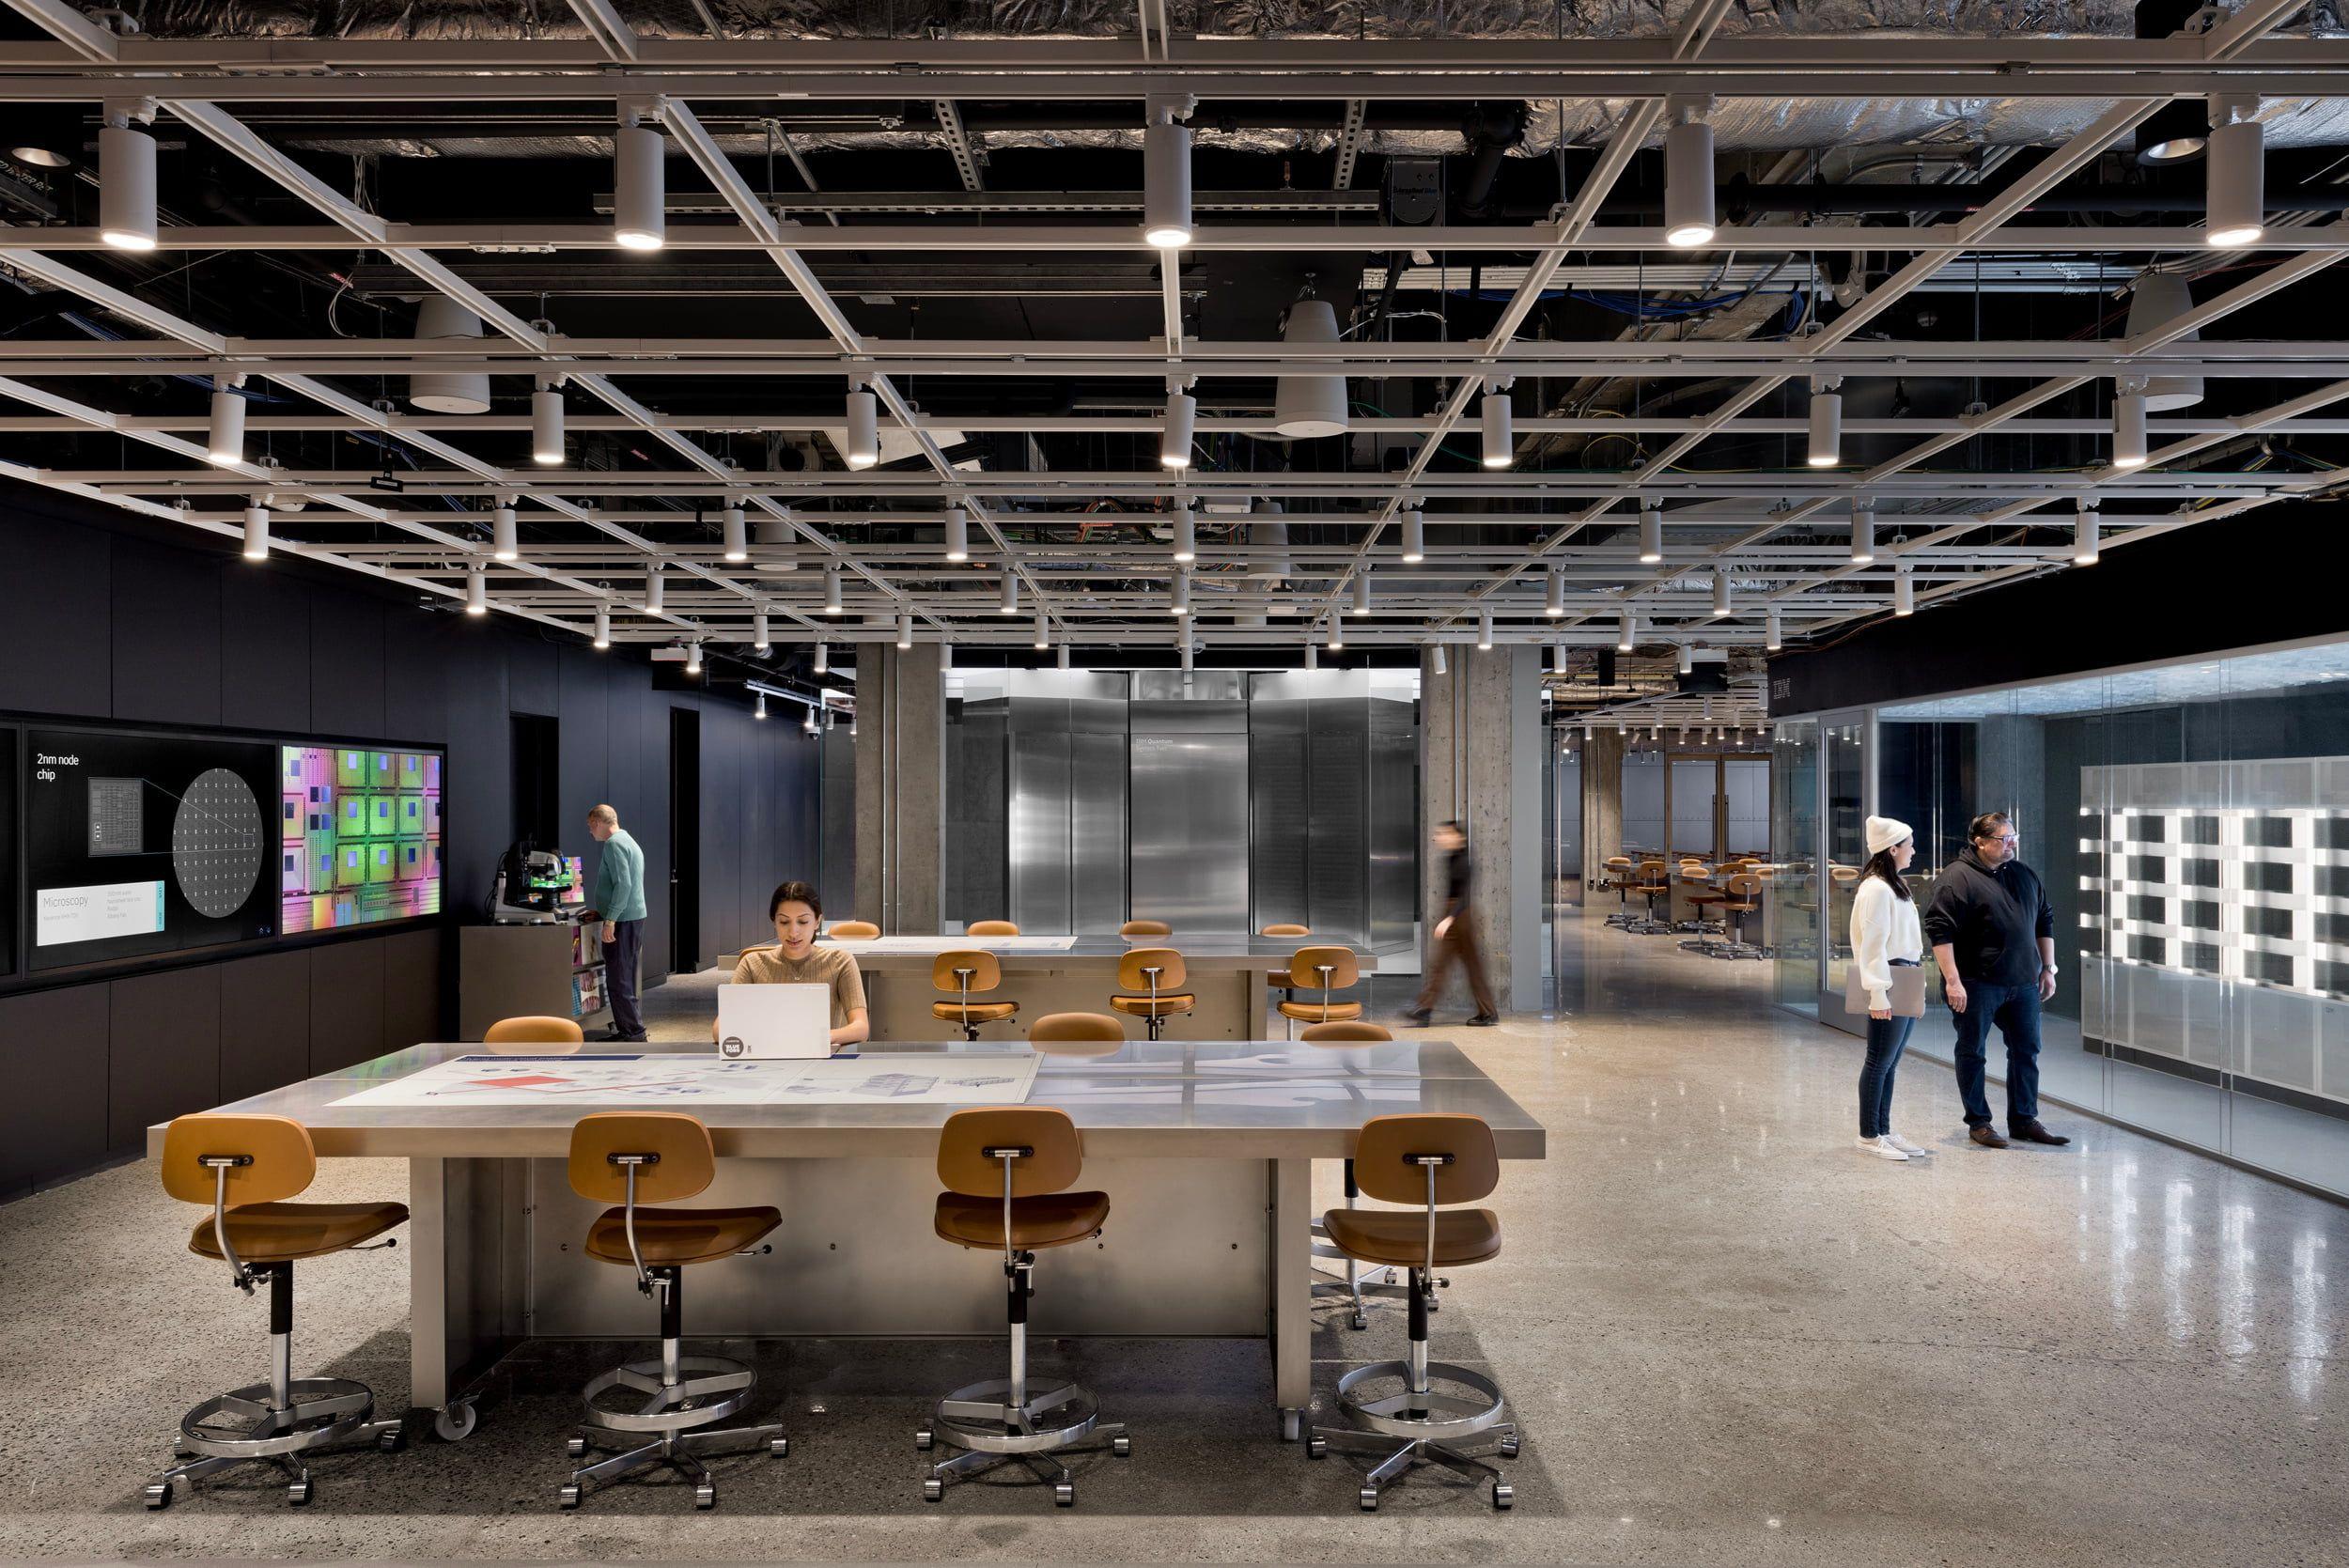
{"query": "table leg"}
[(1292, 1292), (1258, 983), (466, 1273)]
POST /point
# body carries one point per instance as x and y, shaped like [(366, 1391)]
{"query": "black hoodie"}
[(1992, 918)]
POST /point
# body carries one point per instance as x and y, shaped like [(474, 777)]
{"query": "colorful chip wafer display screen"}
[(360, 835)]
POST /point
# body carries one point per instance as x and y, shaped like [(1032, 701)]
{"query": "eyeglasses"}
[(2004, 838)]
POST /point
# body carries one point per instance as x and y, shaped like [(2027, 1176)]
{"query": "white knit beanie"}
[(1885, 831)]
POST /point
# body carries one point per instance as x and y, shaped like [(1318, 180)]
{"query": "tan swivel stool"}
[(642, 1157), (1145, 928), (1345, 1031), (1159, 973), (1702, 898), (1620, 878), (1007, 1171), (854, 930), (244, 1167), (1077, 1034), (968, 973), (1427, 1162), (991, 928), (1357, 1279), (534, 1035), (1651, 885), (1326, 970), (1287, 928), (1743, 897)]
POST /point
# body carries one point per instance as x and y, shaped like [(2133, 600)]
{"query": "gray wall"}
[(103, 617)]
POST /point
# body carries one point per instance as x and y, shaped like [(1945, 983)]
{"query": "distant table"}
[(1205, 1148), (1231, 975)]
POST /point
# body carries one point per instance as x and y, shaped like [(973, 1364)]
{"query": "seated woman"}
[(797, 910)]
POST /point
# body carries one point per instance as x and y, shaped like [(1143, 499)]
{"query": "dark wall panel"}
[(164, 1055), (265, 652), (722, 835), (52, 1053), (531, 678), (165, 619), (345, 1004), (640, 734), (419, 660), (583, 682), (411, 988), (264, 1023), (347, 664), (55, 653)]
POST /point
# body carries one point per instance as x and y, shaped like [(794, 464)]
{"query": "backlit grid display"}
[(361, 835)]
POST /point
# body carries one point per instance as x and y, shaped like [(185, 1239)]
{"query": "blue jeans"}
[(620, 957), (2014, 1009), (1886, 1039)]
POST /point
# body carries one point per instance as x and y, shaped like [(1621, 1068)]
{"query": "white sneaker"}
[(1880, 1147), (1914, 1151)]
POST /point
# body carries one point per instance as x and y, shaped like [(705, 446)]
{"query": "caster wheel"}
[(779, 1447), (705, 1497), (1434, 1305), (1370, 1500), (1317, 1447), (158, 1494), (1064, 1495), (1503, 1495), (1508, 1448), (924, 1441), (575, 1448), (1122, 1447), (297, 1492), (454, 1422), (568, 1496), (933, 1489), (392, 1441), (1359, 1321)]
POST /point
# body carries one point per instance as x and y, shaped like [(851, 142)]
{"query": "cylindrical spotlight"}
[(1773, 633), (1827, 429), (1337, 633), (1558, 657), (640, 194), (832, 591), (1414, 537), (2235, 201), (1442, 665), (257, 531), (1903, 591), (1309, 403), (504, 535), (1174, 436), (603, 627), (736, 534), (1627, 634), (1312, 655), (860, 447), (1186, 528), (1864, 533), (1183, 653), (1689, 209), (2128, 431), (476, 591), (760, 710), (1721, 592), (1501, 441), (1485, 630), (1166, 183), (441, 319), (905, 628), (1556, 604), (654, 588), (126, 187), (693, 657), (546, 426), (823, 660), (1650, 534), (1362, 592), (957, 534), (1178, 594), (225, 441), (1010, 604), (2087, 536), (1043, 630), (1688, 660), (760, 638)]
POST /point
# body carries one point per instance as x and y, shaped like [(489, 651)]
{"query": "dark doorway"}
[(685, 840), (538, 796)]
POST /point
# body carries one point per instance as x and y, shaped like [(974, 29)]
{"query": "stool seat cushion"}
[(281, 1232), (977, 1011), (1045, 1220), (680, 1235), (1165, 1003), (1399, 1236), (1313, 1011)]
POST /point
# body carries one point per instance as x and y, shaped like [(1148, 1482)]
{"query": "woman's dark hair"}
[(796, 893), (1881, 864)]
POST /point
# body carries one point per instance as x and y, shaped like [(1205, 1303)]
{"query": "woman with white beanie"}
[(1887, 945)]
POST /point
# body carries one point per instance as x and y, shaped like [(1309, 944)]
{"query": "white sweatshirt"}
[(1883, 927)]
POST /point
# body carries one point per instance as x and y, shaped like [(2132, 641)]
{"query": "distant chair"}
[(532, 1036), (1077, 1034), (1337, 1036), (1287, 928), (991, 928), (1145, 928), (1158, 972), (1343, 1031), (968, 973), (854, 930), (1326, 968)]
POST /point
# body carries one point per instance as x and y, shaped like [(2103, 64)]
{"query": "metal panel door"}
[(1096, 819), (1038, 839), (1188, 864)]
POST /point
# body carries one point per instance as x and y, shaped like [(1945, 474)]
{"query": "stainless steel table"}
[(1231, 975), (1204, 1149)]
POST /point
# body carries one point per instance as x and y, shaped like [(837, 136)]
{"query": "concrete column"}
[(900, 780), (1602, 802), (1481, 765)]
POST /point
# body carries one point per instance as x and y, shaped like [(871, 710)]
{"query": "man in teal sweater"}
[(619, 903)]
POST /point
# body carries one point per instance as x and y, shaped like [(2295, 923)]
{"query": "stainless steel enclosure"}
[(1187, 779), (1064, 800), (1334, 782)]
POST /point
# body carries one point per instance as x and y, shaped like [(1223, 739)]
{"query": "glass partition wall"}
[(2191, 824)]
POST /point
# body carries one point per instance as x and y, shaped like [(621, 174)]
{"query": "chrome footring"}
[(320, 1410), (714, 1389), (675, 1449), (1435, 1416), (977, 1418)]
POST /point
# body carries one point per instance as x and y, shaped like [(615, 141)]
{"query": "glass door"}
[(1791, 904), (1844, 773)]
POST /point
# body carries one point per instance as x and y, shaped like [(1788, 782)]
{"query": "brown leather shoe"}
[(1987, 1137), (2029, 1131)]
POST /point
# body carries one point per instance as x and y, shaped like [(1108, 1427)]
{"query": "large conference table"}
[(1231, 975), (1204, 1149)]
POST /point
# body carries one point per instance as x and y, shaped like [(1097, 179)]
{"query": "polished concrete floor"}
[(1730, 1338)]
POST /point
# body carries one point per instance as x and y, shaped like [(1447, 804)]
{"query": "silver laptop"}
[(789, 1020)]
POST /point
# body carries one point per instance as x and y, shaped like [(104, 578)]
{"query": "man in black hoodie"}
[(1992, 934)]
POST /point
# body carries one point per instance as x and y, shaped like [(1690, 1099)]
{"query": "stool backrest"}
[(1307, 964), (1287, 928), (278, 1158), (1145, 928), (1385, 1149), (1134, 969), (985, 973), (1744, 885), (1345, 1031), (1073, 1029), (854, 930), (1691, 872), (683, 1163), (1055, 1160), (990, 928), (537, 1030)]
